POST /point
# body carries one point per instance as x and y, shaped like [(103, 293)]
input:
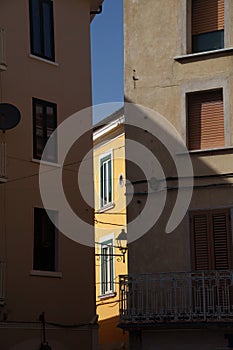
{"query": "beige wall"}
[(67, 82), (154, 38), (155, 43)]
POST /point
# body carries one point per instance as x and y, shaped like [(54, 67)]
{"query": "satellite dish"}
[(9, 116)]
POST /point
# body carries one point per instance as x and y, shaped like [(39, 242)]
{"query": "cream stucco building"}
[(45, 73), (178, 62)]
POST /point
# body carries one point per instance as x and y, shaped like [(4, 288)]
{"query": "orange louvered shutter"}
[(207, 16), (206, 120), (210, 240), (221, 240), (200, 242)]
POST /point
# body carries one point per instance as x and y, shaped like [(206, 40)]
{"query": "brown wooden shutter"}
[(200, 242), (221, 240), (210, 240), (207, 16), (206, 120)]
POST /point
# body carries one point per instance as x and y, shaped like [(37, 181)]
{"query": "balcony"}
[(2, 282), (205, 296)]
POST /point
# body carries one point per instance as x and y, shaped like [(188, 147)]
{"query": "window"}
[(45, 241), (207, 25), (42, 28), (106, 181), (44, 123), (107, 274), (210, 240), (205, 119)]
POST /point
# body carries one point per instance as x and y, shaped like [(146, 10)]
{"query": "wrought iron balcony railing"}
[(177, 297)]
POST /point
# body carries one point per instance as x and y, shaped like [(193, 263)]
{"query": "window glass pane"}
[(107, 267), (35, 27), (44, 241), (39, 130), (45, 123), (48, 29), (208, 41), (101, 186), (109, 181), (105, 183)]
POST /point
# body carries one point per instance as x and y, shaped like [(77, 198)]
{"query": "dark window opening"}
[(45, 241), (42, 28), (44, 123)]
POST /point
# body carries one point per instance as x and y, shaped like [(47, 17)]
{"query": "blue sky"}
[(107, 58)]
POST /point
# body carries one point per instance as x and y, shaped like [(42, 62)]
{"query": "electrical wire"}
[(54, 169), (108, 223)]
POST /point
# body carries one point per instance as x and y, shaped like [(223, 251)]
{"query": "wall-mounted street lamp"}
[(121, 245)]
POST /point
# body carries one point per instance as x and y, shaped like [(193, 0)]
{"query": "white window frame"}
[(110, 265), (108, 203)]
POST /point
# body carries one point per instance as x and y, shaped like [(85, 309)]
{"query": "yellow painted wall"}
[(110, 222)]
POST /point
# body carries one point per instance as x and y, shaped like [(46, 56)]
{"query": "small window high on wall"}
[(207, 25), (42, 28)]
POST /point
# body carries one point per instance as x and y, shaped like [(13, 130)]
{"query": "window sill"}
[(46, 273), (106, 207), (208, 150), (192, 57), (44, 60), (107, 296), (46, 163)]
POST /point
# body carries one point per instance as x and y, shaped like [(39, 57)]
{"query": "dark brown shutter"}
[(210, 240), (206, 120), (207, 16), (200, 242), (221, 240)]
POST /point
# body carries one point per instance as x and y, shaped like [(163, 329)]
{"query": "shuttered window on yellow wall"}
[(210, 240), (205, 120), (207, 25)]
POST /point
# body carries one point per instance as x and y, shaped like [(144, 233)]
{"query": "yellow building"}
[(110, 222)]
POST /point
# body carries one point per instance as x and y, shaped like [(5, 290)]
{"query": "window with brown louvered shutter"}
[(207, 25), (205, 120), (200, 242), (210, 240), (221, 240)]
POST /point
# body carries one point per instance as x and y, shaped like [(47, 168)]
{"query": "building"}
[(44, 276), (178, 62), (110, 220)]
